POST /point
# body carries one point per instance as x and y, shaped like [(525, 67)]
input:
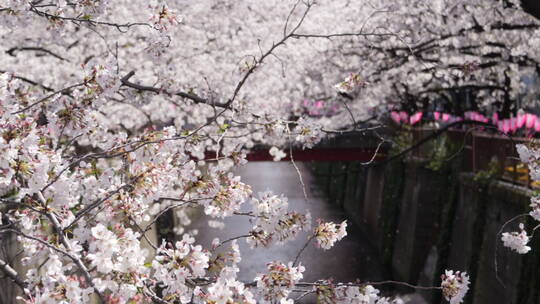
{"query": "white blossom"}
[(535, 205), (277, 153), (524, 153), (454, 286), (328, 233), (517, 241)]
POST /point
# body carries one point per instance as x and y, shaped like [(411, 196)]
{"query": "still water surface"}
[(352, 258)]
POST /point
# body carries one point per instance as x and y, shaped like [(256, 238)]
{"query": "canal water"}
[(353, 258)]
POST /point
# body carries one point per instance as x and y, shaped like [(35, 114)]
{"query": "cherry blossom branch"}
[(97, 203), (261, 59), (125, 82), (157, 216), (154, 297), (60, 232), (61, 91), (143, 233), (231, 239), (118, 26), (13, 275), (402, 284), (302, 250), (295, 166), (12, 51), (289, 17), (497, 241), (29, 81), (73, 258), (330, 36)]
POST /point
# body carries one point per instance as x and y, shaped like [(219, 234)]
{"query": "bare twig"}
[(12, 51), (302, 250)]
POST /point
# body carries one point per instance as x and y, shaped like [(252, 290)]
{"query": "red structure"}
[(323, 154)]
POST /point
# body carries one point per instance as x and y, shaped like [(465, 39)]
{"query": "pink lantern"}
[(404, 116), (520, 121), (395, 117), (506, 126), (531, 120), (416, 117), (513, 124), (495, 118)]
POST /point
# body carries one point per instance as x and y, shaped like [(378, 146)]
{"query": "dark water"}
[(352, 258)]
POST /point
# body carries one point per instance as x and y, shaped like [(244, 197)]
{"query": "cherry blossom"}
[(274, 222), (535, 205), (517, 241), (455, 286), (116, 113), (278, 282), (328, 233), (276, 153)]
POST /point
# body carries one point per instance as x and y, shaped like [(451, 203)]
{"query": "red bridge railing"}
[(323, 154)]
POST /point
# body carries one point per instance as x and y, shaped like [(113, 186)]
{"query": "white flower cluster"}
[(164, 18), (274, 222), (277, 283), (54, 287), (327, 234), (308, 132), (86, 167), (454, 286), (353, 81), (102, 77), (175, 266), (277, 153), (226, 288), (226, 192), (525, 154), (517, 241), (531, 157), (535, 205), (366, 294), (122, 253)]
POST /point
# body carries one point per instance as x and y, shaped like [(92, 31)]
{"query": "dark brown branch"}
[(13, 50), (125, 82), (29, 81), (118, 26), (62, 91)]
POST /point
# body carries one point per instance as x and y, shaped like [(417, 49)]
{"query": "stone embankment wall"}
[(424, 219)]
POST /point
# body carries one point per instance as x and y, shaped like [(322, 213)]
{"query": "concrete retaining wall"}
[(424, 221)]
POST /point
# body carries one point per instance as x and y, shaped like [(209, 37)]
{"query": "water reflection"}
[(352, 258)]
